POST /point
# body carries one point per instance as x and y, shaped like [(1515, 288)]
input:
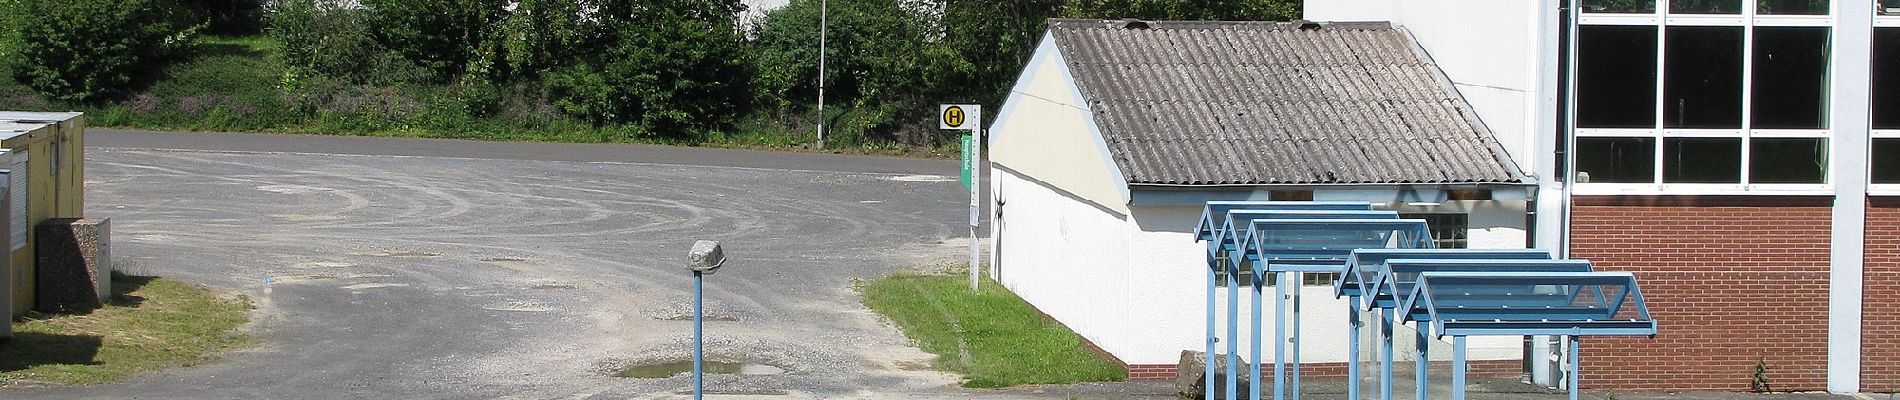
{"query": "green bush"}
[(442, 36), (544, 35), (93, 50), (674, 69), (320, 38)]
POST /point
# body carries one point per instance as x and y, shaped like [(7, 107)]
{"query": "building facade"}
[(1742, 157), (1117, 132)]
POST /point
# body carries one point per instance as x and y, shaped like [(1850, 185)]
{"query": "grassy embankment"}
[(238, 84), (992, 337), (151, 324)]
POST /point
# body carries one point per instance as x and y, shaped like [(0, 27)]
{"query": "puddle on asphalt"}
[(668, 369)]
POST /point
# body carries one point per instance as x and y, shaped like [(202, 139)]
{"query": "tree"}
[(543, 35), (886, 62), (92, 50), (439, 35), (997, 38), (674, 67)]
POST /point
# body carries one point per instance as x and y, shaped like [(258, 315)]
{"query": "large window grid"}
[(1691, 153)]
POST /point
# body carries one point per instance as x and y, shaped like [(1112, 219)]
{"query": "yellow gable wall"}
[(1046, 133)]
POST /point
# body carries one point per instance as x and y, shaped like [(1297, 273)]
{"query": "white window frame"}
[(1887, 21), (1748, 19)]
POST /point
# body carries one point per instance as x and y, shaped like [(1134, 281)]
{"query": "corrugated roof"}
[(1249, 103)]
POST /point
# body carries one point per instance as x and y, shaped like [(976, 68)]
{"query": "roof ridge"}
[(1088, 23)]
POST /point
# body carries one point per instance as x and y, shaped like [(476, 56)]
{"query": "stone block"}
[(74, 268), (1190, 380)]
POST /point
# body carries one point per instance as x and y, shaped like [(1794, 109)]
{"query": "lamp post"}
[(705, 258)]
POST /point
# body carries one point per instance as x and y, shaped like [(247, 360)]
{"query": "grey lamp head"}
[(706, 257)]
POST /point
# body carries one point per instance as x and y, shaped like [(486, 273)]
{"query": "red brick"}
[(1729, 284), (1880, 306)]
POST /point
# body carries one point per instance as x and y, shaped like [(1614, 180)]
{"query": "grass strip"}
[(992, 337), (151, 324)]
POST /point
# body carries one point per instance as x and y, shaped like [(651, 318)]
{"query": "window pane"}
[(1888, 7), (1702, 160), (1886, 161), (1790, 77), (1702, 77), (1449, 231), (1620, 6), (1787, 160), (1792, 7), (1886, 84), (1706, 6), (1616, 76), (1616, 160)]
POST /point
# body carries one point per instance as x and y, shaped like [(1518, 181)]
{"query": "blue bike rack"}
[(1397, 276), (1222, 230), (1386, 264), (1362, 271), (1518, 302), (1288, 248), (1293, 246)]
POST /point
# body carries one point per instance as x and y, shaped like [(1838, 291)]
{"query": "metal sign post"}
[(705, 258), (968, 117)]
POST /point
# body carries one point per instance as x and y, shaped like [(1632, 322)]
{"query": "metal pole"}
[(1458, 367), (1212, 334), (976, 185), (1352, 348), (1293, 377), (1423, 360), (1385, 354), (824, 25), (1576, 363), (1279, 336), (699, 339), (1253, 380), (1233, 330)]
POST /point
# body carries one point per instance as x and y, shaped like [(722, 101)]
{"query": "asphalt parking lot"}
[(522, 270), (411, 268)]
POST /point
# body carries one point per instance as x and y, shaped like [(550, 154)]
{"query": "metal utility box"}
[(45, 164)]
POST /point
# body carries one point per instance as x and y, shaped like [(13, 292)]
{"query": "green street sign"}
[(969, 159)]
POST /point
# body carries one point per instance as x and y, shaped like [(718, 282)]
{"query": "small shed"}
[(1118, 131), (44, 155)]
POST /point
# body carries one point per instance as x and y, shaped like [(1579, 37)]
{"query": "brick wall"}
[(1880, 306), (1729, 280)]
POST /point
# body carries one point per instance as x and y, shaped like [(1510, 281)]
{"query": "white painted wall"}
[(1045, 130), (1135, 285), (1488, 48), (1065, 257)]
